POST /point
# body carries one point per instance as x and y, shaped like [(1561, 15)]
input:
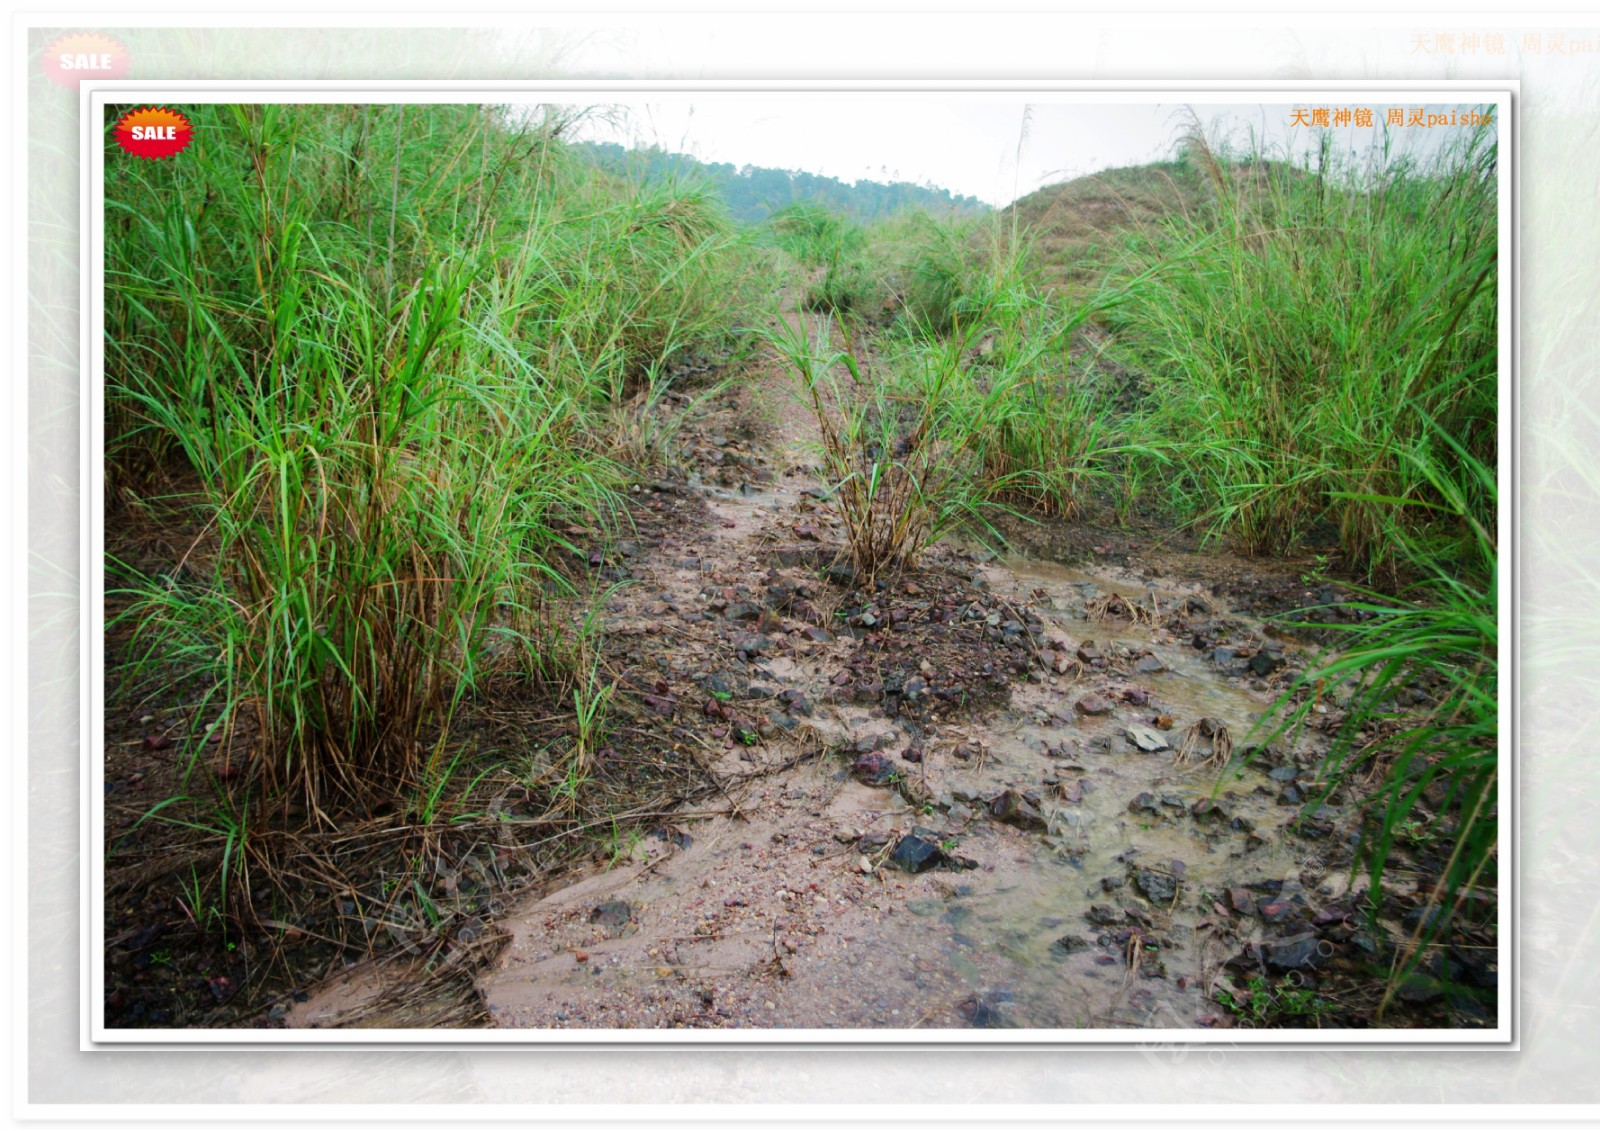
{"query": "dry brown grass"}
[(1206, 732)]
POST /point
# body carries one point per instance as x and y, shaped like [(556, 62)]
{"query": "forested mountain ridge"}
[(754, 192)]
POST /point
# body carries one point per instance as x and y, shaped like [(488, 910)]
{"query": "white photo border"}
[(95, 95)]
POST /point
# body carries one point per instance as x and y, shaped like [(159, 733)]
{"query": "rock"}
[(912, 754), (612, 913), (1283, 773), (1089, 654), (1092, 704), (1277, 911), (1419, 989), (842, 575), (875, 768), (1225, 657), (1150, 741), (1014, 809), (1069, 944), (752, 644), (1264, 663), (1102, 916), (1149, 665), (1145, 803), (1300, 953), (986, 1010), (914, 854), (1208, 810), (1157, 887)]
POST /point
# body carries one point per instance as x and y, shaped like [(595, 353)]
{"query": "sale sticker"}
[(85, 55), (153, 132)]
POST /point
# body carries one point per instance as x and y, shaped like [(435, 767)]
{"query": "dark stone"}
[(1102, 916), (875, 768), (987, 1010), (912, 754), (796, 702), (1264, 663), (1208, 810), (1277, 911), (1157, 887), (1092, 704), (1144, 803), (752, 644), (612, 913), (1069, 944), (914, 854), (1419, 989), (1301, 953), (1014, 809), (1149, 665), (1284, 773)]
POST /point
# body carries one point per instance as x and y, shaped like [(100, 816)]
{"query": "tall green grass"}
[(384, 345), (835, 250), (1418, 684), (1299, 332), (900, 441)]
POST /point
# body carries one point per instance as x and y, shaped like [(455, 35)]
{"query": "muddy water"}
[(784, 912)]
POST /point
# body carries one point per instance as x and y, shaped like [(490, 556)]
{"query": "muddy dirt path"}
[(950, 801)]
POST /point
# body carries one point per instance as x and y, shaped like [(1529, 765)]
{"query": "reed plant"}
[(378, 349), (1299, 331)]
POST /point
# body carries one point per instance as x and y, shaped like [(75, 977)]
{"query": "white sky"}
[(967, 144)]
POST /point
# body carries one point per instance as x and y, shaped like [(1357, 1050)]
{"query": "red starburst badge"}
[(84, 55), (154, 132)]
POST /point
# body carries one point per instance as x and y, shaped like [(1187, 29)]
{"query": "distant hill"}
[(1080, 224), (1082, 215), (753, 192)]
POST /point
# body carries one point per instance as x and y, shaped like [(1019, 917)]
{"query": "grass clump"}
[(1420, 732), (374, 377), (899, 443), (1299, 331), (834, 249)]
